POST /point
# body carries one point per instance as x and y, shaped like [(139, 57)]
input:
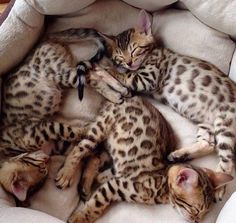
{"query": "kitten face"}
[(130, 48), (21, 173), (192, 190)]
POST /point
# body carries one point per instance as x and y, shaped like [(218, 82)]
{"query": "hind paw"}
[(65, 178)]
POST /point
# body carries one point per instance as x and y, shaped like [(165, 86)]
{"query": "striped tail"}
[(75, 35)]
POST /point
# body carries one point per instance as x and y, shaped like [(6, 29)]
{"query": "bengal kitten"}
[(194, 88), (31, 95), (138, 139)]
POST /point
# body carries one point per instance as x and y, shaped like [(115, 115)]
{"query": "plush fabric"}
[(179, 30), (59, 203), (233, 67), (150, 5), (218, 14), (227, 214), (176, 26)]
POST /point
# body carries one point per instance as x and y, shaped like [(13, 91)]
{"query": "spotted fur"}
[(194, 88), (32, 94), (140, 171)]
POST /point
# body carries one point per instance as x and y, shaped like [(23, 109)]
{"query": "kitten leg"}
[(104, 176), (115, 190), (204, 145), (103, 83), (225, 144), (96, 134), (139, 81), (107, 85), (33, 135), (94, 164)]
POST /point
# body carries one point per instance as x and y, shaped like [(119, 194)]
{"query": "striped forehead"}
[(123, 39)]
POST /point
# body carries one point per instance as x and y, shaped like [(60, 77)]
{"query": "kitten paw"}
[(178, 157), (219, 193), (85, 194), (114, 97), (65, 178), (78, 218)]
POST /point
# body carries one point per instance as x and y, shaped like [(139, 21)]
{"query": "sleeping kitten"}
[(194, 88), (139, 139), (31, 95)]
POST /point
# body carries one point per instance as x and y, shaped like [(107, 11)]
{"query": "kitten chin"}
[(121, 69)]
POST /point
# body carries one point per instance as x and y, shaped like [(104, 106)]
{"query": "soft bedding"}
[(205, 30)]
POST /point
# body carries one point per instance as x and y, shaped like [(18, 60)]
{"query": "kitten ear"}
[(218, 179), (109, 39), (19, 186), (187, 178), (144, 23)]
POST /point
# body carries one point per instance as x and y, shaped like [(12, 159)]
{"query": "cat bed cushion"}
[(179, 29), (227, 214)]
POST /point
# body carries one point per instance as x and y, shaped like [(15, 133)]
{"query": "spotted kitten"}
[(194, 88), (138, 139), (31, 95)]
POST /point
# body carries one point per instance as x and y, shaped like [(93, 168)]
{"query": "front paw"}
[(78, 218), (219, 193), (176, 156), (65, 177)]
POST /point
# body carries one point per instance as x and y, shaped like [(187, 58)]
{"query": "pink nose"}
[(129, 63)]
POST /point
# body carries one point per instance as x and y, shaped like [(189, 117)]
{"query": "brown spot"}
[(221, 98), (136, 110), (21, 94), (191, 86), (218, 80), (155, 161), (183, 98), (180, 69), (214, 89), (99, 124), (107, 119), (206, 81), (192, 105), (175, 105), (150, 131), (37, 60), (146, 144), (203, 97), (146, 120), (195, 73), (108, 107), (173, 62), (204, 66), (94, 130), (125, 141), (115, 135), (121, 153), (28, 107), (132, 118), (127, 126), (232, 110), (179, 92), (228, 122), (171, 89), (186, 61), (122, 119), (177, 81), (133, 151), (138, 131)]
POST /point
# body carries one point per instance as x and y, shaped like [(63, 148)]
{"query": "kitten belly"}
[(38, 102), (191, 109)]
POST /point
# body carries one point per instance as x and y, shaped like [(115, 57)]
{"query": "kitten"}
[(31, 95), (138, 140)]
